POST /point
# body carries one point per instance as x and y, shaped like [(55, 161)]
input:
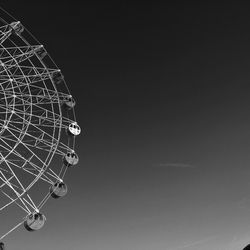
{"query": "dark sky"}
[(162, 95)]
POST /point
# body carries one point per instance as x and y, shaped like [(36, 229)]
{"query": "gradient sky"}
[(162, 95)]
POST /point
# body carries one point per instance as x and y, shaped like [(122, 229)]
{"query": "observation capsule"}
[(57, 77), (247, 247), (17, 27), (70, 159), (2, 247), (69, 102), (34, 221), (41, 52), (74, 129), (59, 189)]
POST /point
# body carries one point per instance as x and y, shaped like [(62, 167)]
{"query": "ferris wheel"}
[(37, 125)]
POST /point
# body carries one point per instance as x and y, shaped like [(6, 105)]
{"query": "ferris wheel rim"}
[(73, 112)]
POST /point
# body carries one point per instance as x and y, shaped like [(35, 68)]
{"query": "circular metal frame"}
[(37, 120)]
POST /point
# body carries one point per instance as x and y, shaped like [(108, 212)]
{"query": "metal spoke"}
[(36, 122)]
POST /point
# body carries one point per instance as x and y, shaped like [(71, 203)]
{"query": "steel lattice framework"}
[(37, 120)]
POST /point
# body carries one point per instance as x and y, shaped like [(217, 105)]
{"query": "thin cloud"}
[(175, 165), (196, 243)]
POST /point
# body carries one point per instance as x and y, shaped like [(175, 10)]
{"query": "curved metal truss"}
[(37, 121)]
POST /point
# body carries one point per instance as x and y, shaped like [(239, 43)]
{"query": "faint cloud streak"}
[(176, 165), (196, 243)]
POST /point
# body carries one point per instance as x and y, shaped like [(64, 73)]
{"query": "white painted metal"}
[(36, 110)]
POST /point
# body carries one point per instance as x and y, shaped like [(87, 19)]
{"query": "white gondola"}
[(59, 189), (69, 102), (17, 27), (57, 77), (74, 129), (34, 222), (70, 159), (41, 52)]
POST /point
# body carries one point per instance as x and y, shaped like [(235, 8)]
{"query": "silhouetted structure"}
[(2, 246), (247, 247)]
